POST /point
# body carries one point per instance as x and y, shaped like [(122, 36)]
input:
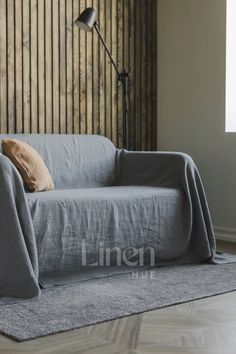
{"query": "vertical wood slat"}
[(120, 64), (76, 97), (69, 66), (11, 66), (143, 65), (138, 76), (55, 78), (82, 75), (41, 67), (3, 67), (98, 124), (131, 69), (26, 67), (108, 70), (126, 48), (48, 67), (154, 74), (100, 77), (18, 65), (114, 83), (89, 73), (149, 77), (56, 69), (34, 65), (62, 67)]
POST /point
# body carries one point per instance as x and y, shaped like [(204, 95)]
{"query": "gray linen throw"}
[(18, 251), (165, 188)]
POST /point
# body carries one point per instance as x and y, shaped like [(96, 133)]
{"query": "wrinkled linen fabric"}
[(103, 197), (175, 170), (102, 218), (74, 161), (18, 251)]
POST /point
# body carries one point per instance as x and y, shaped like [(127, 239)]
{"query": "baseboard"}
[(225, 234)]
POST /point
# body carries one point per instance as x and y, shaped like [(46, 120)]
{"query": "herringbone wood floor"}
[(206, 326)]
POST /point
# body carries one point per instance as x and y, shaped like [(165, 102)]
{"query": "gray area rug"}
[(88, 302)]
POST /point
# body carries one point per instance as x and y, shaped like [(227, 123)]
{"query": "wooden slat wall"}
[(57, 79)]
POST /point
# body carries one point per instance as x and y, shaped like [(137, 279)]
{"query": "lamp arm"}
[(105, 46), (123, 77)]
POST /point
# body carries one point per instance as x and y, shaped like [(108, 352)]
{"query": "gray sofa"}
[(103, 197)]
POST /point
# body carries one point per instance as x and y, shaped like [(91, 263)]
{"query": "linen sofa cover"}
[(103, 196)]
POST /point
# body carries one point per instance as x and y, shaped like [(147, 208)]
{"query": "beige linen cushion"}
[(29, 163)]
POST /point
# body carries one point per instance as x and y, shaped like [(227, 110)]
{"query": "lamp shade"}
[(86, 19)]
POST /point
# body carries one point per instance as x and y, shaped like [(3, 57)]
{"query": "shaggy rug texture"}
[(87, 302)]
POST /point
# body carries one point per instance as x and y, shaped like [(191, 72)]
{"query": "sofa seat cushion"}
[(69, 221)]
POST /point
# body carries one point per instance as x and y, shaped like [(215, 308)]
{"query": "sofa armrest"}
[(173, 170), (18, 252), (154, 168)]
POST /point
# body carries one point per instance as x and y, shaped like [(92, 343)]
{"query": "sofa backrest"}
[(74, 161)]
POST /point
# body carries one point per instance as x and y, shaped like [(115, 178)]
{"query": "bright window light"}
[(230, 102)]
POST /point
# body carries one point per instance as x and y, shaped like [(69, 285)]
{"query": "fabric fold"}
[(175, 170), (18, 251)]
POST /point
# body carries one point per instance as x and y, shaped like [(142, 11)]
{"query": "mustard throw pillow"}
[(29, 163)]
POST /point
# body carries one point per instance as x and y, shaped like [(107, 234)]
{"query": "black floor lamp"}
[(86, 21)]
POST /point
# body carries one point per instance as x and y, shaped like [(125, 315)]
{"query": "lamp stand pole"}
[(123, 77)]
